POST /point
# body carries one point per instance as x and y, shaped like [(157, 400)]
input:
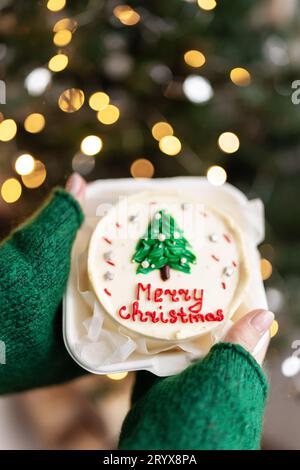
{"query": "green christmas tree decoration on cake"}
[(163, 247)]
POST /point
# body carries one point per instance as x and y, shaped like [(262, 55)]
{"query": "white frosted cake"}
[(167, 267)]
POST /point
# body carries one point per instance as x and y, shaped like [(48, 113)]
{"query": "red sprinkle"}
[(227, 238), (118, 225), (223, 285), (234, 264), (215, 258), (107, 292), (107, 240), (110, 262)]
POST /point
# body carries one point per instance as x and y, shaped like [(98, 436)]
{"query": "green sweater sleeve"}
[(34, 267), (216, 403)]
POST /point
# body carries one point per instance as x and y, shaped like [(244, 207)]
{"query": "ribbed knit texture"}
[(34, 267), (216, 403)]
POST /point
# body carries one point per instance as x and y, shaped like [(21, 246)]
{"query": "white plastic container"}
[(247, 214)]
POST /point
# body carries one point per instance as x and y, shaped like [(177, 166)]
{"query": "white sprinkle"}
[(176, 235), (228, 271), (152, 265), (213, 237), (108, 276), (183, 260), (157, 216), (161, 237), (145, 264)]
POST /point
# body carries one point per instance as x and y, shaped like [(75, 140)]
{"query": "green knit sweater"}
[(216, 403)]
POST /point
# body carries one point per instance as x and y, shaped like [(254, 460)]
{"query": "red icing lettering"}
[(140, 287), (125, 317), (197, 307), (173, 294), (158, 295), (185, 294)]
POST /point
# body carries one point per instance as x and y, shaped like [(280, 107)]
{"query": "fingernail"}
[(262, 321), (73, 185), (262, 342)]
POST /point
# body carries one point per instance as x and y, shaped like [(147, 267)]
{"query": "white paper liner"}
[(106, 342)]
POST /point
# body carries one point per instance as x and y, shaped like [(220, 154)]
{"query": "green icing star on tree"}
[(163, 247)]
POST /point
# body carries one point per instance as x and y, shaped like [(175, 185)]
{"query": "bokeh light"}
[(91, 145), (98, 100), (62, 38), (37, 177), (197, 89), (109, 114), (142, 168), (37, 81), (117, 375), (11, 190), (228, 142), (65, 23), (207, 4), (240, 76), (24, 164), (161, 129), (34, 123), (8, 130), (216, 175), (170, 145), (56, 5), (126, 15), (83, 164), (58, 62), (194, 58), (274, 328), (266, 269), (71, 100)]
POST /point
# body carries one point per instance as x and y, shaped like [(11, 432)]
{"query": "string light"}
[(266, 269), (62, 38), (66, 23), (142, 168), (34, 123), (8, 130), (58, 63), (37, 81), (161, 129), (11, 190), (228, 142), (207, 4), (108, 115), (240, 76), (274, 328), (24, 164), (117, 375), (56, 5), (170, 145), (197, 89), (194, 58), (37, 177), (71, 100), (290, 366), (91, 145), (126, 15), (216, 175), (98, 100)]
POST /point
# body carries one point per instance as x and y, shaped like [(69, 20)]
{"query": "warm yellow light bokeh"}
[(62, 38), (98, 100), (11, 190), (58, 62), (229, 142), (266, 269), (240, 76), (126, 15), (109, 114), (274, 328), (24, 164), (56, 5), (142, 168), (66, 23), (194, 58), (207, 4), (117, 375), (170, 145), (71, 100), (34, 123), (91, 145), (37, 177), (161, 129), (216, 175), (8, 130)]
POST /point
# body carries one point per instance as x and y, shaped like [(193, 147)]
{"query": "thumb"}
[(76, 186), (252, 332)]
